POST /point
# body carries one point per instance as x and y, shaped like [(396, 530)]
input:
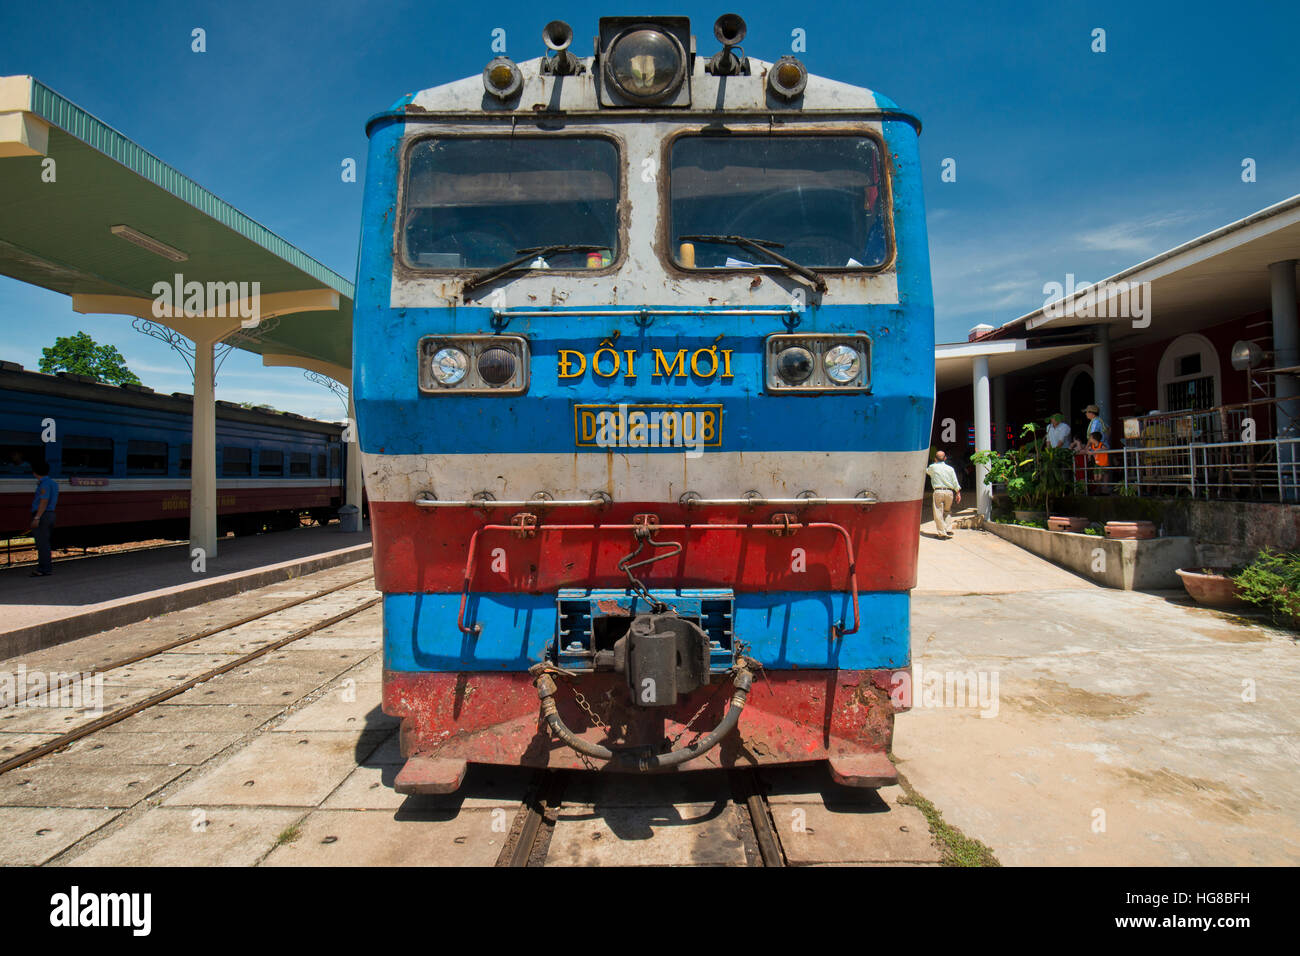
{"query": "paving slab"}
[(370, 787), (11, 745), (49, 720), (286, 770), (666, 835), (647, 790), (185, 749), (50, 782), (280, 688), (200, 836), (335, 711), (208, 719), (29, 836), (382, 838), (844, 833)]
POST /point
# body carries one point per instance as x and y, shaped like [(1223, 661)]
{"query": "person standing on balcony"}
[(944, 484), (1095, 424), (1058, 432)]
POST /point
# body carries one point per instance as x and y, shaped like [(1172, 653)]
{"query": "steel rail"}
[(132, 709), (782, 527), (749, 794), (162, 649)]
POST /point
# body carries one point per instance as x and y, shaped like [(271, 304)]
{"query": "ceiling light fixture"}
[(149, 242)]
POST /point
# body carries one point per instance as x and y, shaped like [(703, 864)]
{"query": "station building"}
[(1191, 357)]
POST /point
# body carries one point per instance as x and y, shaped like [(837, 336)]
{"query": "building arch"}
[(1072, 410)]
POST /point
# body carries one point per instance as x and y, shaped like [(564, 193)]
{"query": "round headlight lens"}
[(645, 65), (794, 365), (496, 366), (842, 364), (449, 366)]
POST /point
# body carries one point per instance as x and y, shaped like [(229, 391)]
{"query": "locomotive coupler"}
[(663, 657)]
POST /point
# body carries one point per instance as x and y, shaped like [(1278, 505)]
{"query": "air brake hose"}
[(639, 756)]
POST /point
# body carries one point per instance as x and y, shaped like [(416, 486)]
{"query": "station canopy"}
[(116, 220)]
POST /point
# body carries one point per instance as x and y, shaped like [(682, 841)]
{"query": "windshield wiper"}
[(526, 256), (764, 247)]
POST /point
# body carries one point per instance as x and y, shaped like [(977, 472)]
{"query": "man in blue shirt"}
[(46, 497)]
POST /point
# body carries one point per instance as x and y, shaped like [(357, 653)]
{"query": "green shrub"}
[(1033, 474), (1272, 581)]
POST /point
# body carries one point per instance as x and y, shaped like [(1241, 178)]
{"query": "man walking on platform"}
[(946, 488)]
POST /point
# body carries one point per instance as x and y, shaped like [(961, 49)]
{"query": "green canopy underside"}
[(57, 234)]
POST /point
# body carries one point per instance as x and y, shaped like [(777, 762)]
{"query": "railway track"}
[(130, 710), (530, 833)]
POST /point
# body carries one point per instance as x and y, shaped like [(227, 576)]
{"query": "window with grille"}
[(1194, 394)]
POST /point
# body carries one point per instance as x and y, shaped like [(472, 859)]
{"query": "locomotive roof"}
[(68, 385), (578, 94)]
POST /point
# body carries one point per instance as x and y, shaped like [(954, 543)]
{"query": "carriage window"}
[(185, 458), (321, 471), (19, 451), (270, 462), (477, 202), (87, 455), (236, 462), (300, 463), (146, 457), (818, 200)]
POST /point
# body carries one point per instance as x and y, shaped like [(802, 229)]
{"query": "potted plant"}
[(1033, 474)]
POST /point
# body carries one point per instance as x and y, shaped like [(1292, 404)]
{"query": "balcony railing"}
[(1267, 470)]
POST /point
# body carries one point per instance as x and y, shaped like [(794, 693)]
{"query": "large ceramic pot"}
[(1130, 529), (1061, 523), (1213, 589)]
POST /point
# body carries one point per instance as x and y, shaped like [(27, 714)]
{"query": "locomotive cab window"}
[(817, 200), (481, 202)]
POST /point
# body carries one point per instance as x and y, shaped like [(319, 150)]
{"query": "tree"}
[(81, 355)]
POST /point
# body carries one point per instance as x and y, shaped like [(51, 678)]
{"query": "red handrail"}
[(787, 527)]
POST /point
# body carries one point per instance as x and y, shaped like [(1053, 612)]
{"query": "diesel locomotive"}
[(644, 383)]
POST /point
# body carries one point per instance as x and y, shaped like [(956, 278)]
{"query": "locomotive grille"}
[(589, 621)]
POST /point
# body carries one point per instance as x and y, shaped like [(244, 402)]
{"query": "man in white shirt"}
[(946, 487), (1058, 432)]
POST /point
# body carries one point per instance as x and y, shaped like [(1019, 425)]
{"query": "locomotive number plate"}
[(647, 426)]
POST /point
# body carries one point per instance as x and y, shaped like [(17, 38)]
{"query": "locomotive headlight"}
[(794, 364), (645, 65), (449, 366), (813, 363), (501, 78), (787, 78), (496, 366), (459, 365), (842, 364)]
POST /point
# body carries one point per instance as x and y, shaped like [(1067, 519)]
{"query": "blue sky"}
[(1068, 161)]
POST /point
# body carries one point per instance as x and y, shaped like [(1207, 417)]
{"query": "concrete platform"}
[(1118, 728), (95, 594)]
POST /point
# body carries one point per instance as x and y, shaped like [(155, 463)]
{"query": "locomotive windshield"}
[(816, 200), (480, 202)]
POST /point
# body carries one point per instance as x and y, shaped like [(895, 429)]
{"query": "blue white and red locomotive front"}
[(644, 382)]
